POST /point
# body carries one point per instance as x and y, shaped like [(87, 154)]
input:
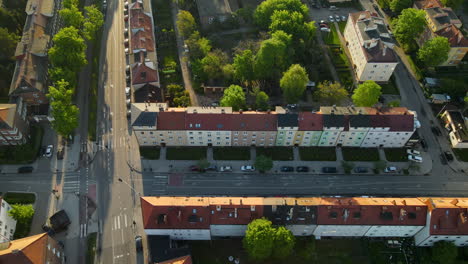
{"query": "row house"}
[(443, 22), (457, 127), (310, 128), (204, 218), (37, 249), (371, 47), (13, 125)]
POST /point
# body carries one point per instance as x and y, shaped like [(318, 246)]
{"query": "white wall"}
[(8, 224), (181, 234), (302, 230), (205, 137), (387, 139), (379, 72), (228, 230), (393, 231), (341, 230)]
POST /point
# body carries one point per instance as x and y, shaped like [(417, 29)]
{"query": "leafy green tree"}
[(398, 5), (453, 87), (259, 239), (233, 96), (261, 101), (213, 64), (384, 3), (379, 166), (331, 93), (59, 73), (13, 17), (21, 212), (283, 244), (452, 3), (395, 103), (263, 163), (93, 22), (273, 57), (265, 10), (186, 23), (174, 90), (243, 66), (434, 51), (409, 25), (367, 94), (294, 83), (72, 17), (65, 114), (292, 23), (198, 46), (182, 100), (444, 252), (9, 42), (69, 3), (347, 166), (68, 50), (203, 164)]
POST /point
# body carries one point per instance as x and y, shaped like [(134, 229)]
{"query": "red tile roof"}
[(169, 120), (234, 214), (181, 260), (254, 122), (141, 73), (310, 121), (394, 122), (356, 211), (454, 36), (214, 122), (449, 216), (142, 29)]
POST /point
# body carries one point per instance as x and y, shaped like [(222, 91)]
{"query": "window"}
[(141, 133), (375, 66)]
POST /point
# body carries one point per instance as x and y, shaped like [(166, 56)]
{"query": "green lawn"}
[(276, 153), (331, 38), (26, 153), (462, 154), (19, 198), (91, 249), (338, 57), (317, 153), (186, 153), (396, 154), (151, 153), (390, 87), (360, 154), (231, 153), (342, 26)]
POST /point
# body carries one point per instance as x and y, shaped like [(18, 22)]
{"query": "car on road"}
[(361, 170), (436, 131), (25, 169), (448, 155), (287, 169), (138, 243), (415, 158), (390, 169), (329, 170), (413, 152), (443, 159), (225, 168), (247, 168), (331, 19), (49, 151), (423, 144), (333, 8), (302, 169)]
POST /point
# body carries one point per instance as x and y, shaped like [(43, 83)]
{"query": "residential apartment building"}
[(37, 249), (371, 47), (155, 124), (443, 22), (457, 127), (7, 223), (13, 125), (447, 220)]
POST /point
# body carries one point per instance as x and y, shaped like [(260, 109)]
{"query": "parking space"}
[(318, 14)]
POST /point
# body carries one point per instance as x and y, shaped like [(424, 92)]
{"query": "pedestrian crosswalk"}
[(159, 184), (71, 182)]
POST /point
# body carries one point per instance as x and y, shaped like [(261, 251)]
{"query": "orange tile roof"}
[(26, 250)]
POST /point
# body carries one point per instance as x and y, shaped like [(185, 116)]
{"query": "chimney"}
[(179, 215), (463, 218), (454, 202), (235, 212), (384, 52), (240, 111)]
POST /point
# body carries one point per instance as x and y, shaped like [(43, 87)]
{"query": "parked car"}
[(287, 169), (423, 144), (196, 168), (329, 170), (49, 151), (390, 169), (413, 152), (126, 51), (302, 169), (127, 91), (436, 131), (448, 155), (331, 19), (138, 243), (323, 22), (324, 29), (337, 18), (323, 26), (225, 168), (361, 170), (211, 168), (25, 169), (129, 113), (415, 158), (343, 18), (247, 168), (443, 159), (126, 42)]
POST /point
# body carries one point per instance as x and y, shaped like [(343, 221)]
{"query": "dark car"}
[(25, 169), (361, 170), (448, 155), (443, 159), (329, 170), (436, 131), (423, 144), (302, 169), (60, 154), (138, 243), (287, 169), (196, 168), (211, 168)]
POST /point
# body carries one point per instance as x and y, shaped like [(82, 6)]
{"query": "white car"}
[(128, 102), (331, 19), (390, 169), (337, 18), (343, 18), (248, 168), (324, 29), (126, 51), (49, 150), (415, 158), (413, 152), (127, 91), (225, 168)]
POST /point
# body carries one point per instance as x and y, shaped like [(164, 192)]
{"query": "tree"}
[(265, 10), (434, 51), (453, 87), (9, 42), (263, 163), (183, 100), (93, 22), (243, 66), (384, 3), (398, 5), (261, 101), (233, 96), (186, 23), (21, 212), (68, 50), (283, 244), (273, 56), (367, 94), (59, 73), (444, 252), (331, 93), (72, 17), (259, 239), (69, 3), (198, 46), (174, 90), (292, 23), (213, 64), (65, 114), (294, 83), (394, 103), (203, 164), (452, 3), (347, 166), (409, 25)]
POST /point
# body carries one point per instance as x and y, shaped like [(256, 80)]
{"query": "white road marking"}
[(125, 217), (115, 223), (118, 222)]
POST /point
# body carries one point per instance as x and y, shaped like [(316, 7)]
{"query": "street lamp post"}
[(120, 180)]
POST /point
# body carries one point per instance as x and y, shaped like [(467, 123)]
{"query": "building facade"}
[(13, 125), (7, 223), (37, 249), (457, 127), (371, 47)]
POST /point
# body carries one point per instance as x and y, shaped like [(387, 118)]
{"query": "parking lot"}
[(323, 13)]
